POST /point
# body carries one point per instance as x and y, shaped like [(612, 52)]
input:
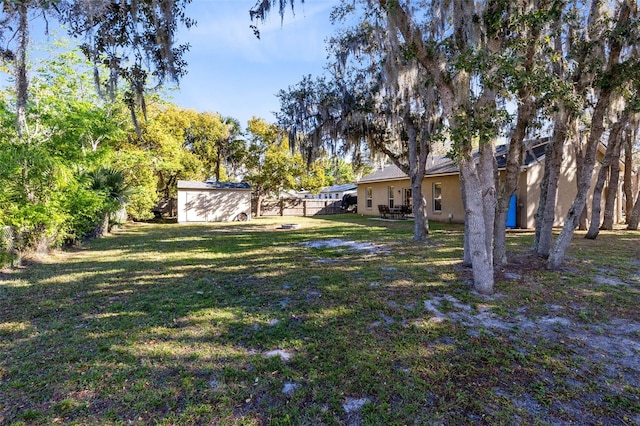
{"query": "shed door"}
[(196, 207)]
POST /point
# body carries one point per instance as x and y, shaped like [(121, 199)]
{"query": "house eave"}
[(396, 179)]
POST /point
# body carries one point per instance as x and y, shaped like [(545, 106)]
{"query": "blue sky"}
[(230, 71), (233, 73)]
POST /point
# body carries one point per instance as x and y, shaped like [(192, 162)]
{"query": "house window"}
[(406, 197), (437, 197), (369, 197), (391, 202)]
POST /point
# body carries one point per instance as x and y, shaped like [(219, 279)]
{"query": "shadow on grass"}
[(174, 324)]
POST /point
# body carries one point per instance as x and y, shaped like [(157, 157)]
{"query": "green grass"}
[(169, 324)]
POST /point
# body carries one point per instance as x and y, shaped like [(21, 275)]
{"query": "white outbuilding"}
[(213, 201)]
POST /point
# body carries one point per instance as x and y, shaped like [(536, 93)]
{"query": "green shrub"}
[(84, 208)]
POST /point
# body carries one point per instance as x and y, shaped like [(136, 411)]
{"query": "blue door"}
[(511, 213)]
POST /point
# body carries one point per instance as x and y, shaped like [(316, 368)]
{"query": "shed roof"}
[(443, 165), (191, 184)]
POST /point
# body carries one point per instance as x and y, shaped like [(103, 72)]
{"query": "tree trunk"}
[(556, 257), (418, 150), (600, 109), (258, 205), (22, 82), (218, 154), (466, 253), (421, 220), (509, 183), (134, 118), (634, 215), (612, 194), (545, 216), (22, 90), (487, 170), (583, 219), (481, 256), (596, 201), (415, 171), (500, 231), (628, 174), (102, 228), (418, 153)]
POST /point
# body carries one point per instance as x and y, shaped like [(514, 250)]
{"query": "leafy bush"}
[(84, 208), (141, 203), (39, 226), (141, 180)]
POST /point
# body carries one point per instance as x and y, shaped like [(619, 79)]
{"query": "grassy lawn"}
[(345, 320)]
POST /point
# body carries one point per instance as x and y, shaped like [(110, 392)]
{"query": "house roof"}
[(340, 188), (292, 193), (391, 172), (443, 165), (533, 153), (190, 184)]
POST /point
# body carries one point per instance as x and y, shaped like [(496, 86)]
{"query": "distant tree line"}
[(82, 165)]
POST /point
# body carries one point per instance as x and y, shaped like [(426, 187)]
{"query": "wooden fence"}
[(298, 207)]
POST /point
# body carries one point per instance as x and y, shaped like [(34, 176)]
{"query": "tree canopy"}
[(489, 71)]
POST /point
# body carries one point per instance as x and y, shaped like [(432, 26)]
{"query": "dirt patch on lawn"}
[(338, 243), (604, 358)]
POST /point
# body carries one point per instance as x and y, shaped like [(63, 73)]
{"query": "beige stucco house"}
[(213, 201), (441, 188)]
